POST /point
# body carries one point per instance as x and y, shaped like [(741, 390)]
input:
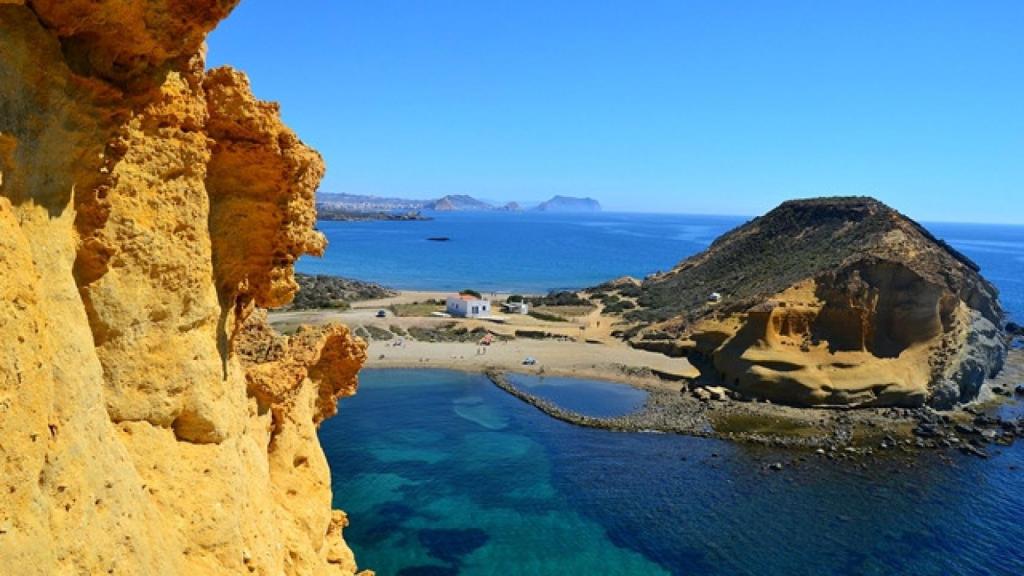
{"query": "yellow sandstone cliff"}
[(150, 423)]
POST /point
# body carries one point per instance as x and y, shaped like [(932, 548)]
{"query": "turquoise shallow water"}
[(535, 252), (442, 473)]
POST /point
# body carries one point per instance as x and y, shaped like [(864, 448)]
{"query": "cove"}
[(443, 473), (586, 397)]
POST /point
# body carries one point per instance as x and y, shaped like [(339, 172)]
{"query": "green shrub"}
[(564, 298), (546, 317), (379, 333), (619, 307)]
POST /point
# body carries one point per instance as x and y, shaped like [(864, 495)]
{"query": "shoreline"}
[(844, 434), (678, 401), (972, 429), (643, 378)]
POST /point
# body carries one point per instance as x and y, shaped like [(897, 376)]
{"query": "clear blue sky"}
[(661, 106)]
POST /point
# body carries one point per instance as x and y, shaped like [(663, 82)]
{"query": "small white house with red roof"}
[(468, 306)]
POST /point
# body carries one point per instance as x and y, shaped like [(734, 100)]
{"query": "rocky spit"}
[(831, 433)]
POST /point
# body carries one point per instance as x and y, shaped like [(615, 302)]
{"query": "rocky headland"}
[(457, 203), (825, 302), (319, 291), (150, 422)]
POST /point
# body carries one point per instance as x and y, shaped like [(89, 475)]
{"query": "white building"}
[(468, 306)]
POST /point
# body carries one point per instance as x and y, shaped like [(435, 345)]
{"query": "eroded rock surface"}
[(147, 208), (833, 301)]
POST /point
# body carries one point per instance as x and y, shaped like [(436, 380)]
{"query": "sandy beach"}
[(592, 352), (555, 358)]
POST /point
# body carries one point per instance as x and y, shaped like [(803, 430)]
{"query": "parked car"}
[(382, 314)]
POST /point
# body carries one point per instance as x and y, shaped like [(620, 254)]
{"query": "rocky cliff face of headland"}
[(149, 422), (832, 301)]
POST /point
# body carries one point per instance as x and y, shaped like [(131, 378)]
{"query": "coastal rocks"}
[(834, 434), (709, 393), (147, 207), (966, 367), (831, 302), (935, 430)]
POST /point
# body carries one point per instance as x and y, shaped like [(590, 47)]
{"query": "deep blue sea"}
[(536, 252), (442, 473)]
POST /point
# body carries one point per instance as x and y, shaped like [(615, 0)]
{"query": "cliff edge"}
[(150, 422), (829, 301)]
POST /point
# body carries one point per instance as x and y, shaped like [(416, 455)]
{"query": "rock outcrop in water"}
[(149, 422), (833, 301)]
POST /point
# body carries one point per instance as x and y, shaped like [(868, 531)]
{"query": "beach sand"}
[(554, 358), (594, 354)]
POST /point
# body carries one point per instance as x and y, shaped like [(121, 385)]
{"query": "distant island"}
[(457, 203), (569, 204), (357, 207)]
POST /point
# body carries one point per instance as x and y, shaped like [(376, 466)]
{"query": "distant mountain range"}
[(450, 203)]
